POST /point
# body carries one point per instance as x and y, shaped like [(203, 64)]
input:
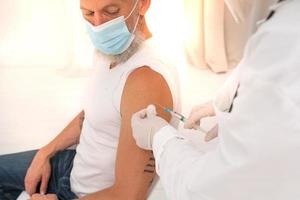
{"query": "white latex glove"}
[(213, 133), (197, 113), (145, 124)]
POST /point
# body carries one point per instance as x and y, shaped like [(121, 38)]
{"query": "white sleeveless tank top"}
[(94, 163)]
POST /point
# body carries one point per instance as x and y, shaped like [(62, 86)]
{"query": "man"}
[(107, 164), (259, 132)]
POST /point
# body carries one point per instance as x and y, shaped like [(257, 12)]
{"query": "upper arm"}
[(135, 168)]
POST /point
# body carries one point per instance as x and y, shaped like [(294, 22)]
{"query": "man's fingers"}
[(43, 197), (37, 196), (44, 184), (30, 185)]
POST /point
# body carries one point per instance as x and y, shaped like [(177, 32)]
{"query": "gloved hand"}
[(197, 113), (213, 133), (145, 124)]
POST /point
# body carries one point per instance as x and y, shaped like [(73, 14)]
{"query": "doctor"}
[(257, 156)]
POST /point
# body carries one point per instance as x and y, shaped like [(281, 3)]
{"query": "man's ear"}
[(144, 6)]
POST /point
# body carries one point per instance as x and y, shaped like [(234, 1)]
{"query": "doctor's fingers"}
[(151, 110), (140, 114), (191, 124), (137, 120), (213, 133), (204, 106), (196, 109), (144, 113), (194, 119)]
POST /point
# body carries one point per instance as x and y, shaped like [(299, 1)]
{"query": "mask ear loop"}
[(134, 7), (136, 23)]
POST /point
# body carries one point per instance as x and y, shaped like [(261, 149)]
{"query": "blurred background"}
[(45, 58)]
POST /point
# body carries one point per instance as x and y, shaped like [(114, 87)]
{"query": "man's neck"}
[(145, 30)]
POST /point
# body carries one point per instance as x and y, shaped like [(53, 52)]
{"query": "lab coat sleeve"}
[(226, 93), (174, 155)]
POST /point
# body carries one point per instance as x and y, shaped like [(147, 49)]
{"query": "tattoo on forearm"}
[(149, 171), (150, 167), (152, 158)]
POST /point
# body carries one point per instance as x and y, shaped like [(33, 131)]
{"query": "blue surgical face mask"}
[(112, 37)]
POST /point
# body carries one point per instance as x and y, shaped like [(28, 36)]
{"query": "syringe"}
[(175, 114), (178, 116)]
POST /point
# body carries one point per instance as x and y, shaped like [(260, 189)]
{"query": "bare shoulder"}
[(145, 86)]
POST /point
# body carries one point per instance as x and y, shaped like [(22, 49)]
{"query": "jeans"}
[(13, 168)]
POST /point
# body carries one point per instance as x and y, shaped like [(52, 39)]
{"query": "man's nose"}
[(98, 19)]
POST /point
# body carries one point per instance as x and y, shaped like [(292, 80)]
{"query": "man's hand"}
[(145, 124), (197, 113), (39, 171), (44, 197)]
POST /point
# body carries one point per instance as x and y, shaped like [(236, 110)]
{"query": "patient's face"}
[(98, 12)]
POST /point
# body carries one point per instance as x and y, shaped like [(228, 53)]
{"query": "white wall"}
[(41, 33), (35, 104)]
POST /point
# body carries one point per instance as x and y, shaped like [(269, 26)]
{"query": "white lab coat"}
[(257, 157)]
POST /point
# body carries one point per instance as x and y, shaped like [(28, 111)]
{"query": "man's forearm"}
[(66, 138)]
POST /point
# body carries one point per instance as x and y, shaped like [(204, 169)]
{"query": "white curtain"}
[(214, 39)]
